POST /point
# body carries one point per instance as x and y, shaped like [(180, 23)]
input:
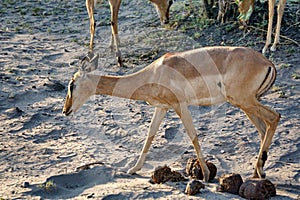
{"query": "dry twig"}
[(282, 36)]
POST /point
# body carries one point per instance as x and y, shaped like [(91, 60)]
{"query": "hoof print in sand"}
[(257, 189), (193, 169), (230, 183), (164, 174), (193, 187)]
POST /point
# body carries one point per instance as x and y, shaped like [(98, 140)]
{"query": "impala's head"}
[(81, 86), (163, 8), (245, 9)]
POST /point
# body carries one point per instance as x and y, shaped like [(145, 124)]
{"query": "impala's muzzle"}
[(166, 21), (67, 112)]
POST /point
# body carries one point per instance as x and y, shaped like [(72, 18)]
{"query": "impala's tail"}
[(267, 82)]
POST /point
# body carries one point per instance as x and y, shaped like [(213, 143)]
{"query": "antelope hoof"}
[(264, 49), (119, 59), (257, 174), (273, 47), (132, 170), (262, 175), (120, 63)]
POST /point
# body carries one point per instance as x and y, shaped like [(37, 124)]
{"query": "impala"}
[(162, 6), (280, 10), (246, 7), (204, 76)]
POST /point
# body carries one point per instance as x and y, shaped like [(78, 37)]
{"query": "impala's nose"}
[(66, 112), (166, 21)]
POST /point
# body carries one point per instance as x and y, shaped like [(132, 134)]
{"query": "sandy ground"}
[(41, 44)]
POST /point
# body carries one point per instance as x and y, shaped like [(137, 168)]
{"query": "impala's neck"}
[(106, 84), (119, 86)]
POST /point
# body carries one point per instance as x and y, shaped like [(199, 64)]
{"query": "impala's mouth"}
[(67, 113)]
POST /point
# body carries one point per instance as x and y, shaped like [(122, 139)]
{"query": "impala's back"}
[(213, 75)]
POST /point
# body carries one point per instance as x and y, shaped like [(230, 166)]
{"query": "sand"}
[(41, 44)]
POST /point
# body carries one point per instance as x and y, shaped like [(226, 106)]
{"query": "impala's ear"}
[(89, 63)]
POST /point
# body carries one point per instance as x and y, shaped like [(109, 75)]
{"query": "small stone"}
[(164, 174), (90, 195), (11, 95), (161, 174), (230, 183), (257, 189), (193, 187), (25, 184), (170, 133)]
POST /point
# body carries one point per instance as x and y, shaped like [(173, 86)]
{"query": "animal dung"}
[(164, 174), (193, 169), (230, 183), (193, 187), (257, 189)]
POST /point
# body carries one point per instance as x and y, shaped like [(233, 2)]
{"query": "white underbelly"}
[(207, 101)]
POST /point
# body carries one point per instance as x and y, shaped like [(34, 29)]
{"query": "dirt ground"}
[(41, 45)]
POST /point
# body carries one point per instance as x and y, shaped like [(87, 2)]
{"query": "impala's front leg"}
[(90, 9), (155, 122), (270, 23), (115, 41), (183, 112)]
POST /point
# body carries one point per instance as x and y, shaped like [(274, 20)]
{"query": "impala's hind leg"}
[(156, 121), (265, 120), (186, 118), (280, 10), (261, 127), (259, 124), (115, 41), (90, 10)]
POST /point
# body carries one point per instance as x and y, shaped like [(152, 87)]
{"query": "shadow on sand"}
[(72, 185)]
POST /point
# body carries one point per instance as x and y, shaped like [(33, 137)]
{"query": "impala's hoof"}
[(264, 50), (120, 63), (259, 175), (132, 171), (273, 47)]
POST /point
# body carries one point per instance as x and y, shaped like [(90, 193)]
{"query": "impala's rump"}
[(267, 82)]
